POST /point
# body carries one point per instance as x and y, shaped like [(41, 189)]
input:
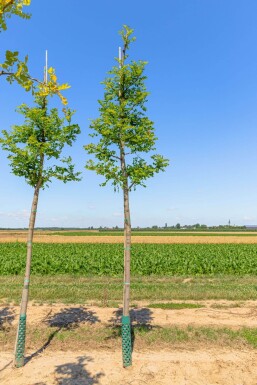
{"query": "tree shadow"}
[(42, 349), (66, 319), (140, 319), (71, 318), (6, 317), (76, 373), (6, 366)]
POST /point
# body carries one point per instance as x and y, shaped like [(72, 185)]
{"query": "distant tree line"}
[(178, 226)]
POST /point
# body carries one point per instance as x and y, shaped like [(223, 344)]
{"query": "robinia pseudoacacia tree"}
[(34, 149), (123, 135)]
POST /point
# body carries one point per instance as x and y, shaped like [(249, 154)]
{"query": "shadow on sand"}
[(6, 317), (72, 317), (75, 373), (67, 319), (139, 317)]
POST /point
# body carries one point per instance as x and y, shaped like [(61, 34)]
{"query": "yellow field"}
[(45, 237)]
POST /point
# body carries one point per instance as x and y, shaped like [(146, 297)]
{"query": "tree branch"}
[(131, 185), (13, 74), (115, 156), (11, 2)]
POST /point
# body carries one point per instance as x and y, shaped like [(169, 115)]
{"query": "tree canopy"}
[(122, 123), (39, 141)]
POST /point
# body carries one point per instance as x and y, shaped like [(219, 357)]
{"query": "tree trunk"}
[(126, 323), (21, 332), (127, 251)]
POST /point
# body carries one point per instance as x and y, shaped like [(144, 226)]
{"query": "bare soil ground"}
[(224, 316), (185, 364), (15, 236), (198, 367)]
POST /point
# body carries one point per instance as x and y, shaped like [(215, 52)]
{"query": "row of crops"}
[(147, 259)]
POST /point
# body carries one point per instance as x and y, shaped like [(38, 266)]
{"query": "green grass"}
[(250, 335), (175, 306), (144, 337), (226, 306), (108, 291), (147, 259), (195, 335)]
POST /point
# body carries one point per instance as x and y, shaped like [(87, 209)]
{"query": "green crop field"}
[(147, 259)]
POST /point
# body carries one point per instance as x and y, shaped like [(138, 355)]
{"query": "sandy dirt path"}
[(198, 367), (188, 365), (237, 317)]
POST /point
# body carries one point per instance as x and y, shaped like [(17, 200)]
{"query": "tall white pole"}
[(46, 67)]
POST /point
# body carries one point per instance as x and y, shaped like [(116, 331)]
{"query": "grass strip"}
[(107, 291), (144, 337), (175, 306)]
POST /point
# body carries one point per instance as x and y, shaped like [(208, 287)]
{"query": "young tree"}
[(124, 134), (33, 149)]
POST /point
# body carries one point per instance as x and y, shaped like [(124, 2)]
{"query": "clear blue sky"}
[(202, 79)]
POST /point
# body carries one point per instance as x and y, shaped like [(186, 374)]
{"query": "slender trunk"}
[(21, 332), (127, 248), (126, 322)]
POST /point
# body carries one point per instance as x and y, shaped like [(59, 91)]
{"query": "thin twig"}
[(13, 74)]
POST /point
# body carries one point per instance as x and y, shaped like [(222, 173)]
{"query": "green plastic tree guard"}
[(19, 354), (126, 341)]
